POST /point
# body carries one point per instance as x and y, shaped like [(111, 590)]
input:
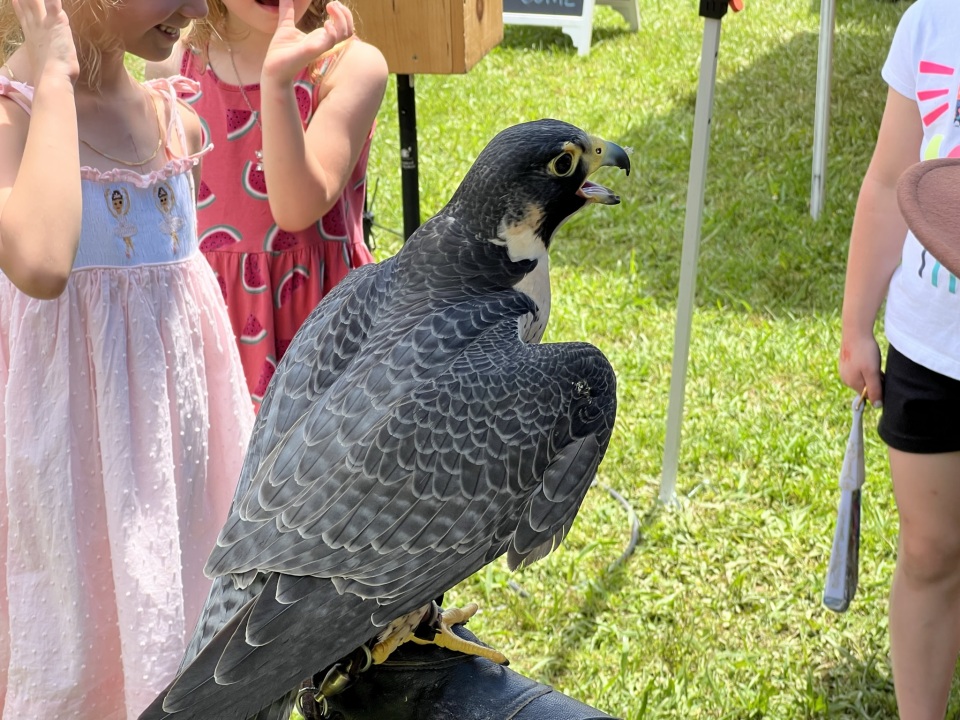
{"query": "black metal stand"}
[(409, 164)]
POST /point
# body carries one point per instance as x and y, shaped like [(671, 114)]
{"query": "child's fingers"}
[(286, 16), (316, 43), (342, 19), (37, 14), (338, 31), (313, 47), (24, 10), (53, 7), (873, 384), (47, 36)]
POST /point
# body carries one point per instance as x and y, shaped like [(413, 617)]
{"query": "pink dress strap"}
[(168, 89), (171, 88), (20, 93)]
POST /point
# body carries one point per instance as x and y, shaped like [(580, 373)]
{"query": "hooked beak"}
[(605, 154)]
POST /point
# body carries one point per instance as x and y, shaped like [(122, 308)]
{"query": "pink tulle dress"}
[(124, 418)]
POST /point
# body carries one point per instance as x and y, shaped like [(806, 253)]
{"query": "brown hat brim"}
[(929, 198)]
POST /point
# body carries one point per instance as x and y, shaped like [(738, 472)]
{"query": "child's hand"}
[(860, 365), (47, 38), (291, 50)]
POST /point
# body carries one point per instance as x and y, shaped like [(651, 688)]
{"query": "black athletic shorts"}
[(920, 408)]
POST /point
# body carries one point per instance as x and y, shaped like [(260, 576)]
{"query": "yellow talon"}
[(446, 638), (402, 630), (383, 649)]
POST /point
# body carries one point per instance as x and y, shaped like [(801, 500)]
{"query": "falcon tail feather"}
[(305, 635)]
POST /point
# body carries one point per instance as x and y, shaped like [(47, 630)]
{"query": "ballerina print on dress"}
[(118, 203), (171, 223)]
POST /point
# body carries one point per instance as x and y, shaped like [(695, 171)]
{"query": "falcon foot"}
[(435, 628), (441, 625), (427, 626)]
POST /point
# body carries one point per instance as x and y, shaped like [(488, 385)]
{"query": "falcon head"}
[(529, 179)]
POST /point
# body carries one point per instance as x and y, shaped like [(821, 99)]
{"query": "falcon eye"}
[(562, 165)]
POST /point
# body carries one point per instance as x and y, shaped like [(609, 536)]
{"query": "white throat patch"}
[(521, 239), (523, 243)]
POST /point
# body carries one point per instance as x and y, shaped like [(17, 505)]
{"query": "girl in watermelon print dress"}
[(123, 409), (288, 97)]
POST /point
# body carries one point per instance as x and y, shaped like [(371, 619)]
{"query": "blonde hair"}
[(214, 25), (84, 15), (11, 36)]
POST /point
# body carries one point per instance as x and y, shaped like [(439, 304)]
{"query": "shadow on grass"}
[(601, 595), (856, 688), (760, 249), (862, 687)]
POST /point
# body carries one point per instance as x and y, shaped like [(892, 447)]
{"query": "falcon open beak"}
[(603, 154)]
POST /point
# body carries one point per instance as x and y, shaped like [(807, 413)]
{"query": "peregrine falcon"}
[(414, 431)]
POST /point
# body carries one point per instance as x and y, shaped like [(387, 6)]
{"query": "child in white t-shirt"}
[(920, 388)]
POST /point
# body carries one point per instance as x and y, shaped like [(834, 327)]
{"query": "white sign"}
[(574, 17)]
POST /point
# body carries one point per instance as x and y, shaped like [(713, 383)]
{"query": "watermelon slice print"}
[(190, 97), (278, 240), (240, 122), (205, 196), (269, 368), (291, 282), (218, 237), (254, 181), (253, 331), (303, 91), (253, 280), (333, 225), (204, 133)]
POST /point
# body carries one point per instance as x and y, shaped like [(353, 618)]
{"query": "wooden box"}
[(430, 36)]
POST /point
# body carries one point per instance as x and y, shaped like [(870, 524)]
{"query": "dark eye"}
[(562, 165)]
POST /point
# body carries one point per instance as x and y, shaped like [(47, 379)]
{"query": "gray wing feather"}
[(350, 518)]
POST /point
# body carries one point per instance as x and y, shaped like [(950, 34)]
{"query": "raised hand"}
[(292, 50), (48, 40)]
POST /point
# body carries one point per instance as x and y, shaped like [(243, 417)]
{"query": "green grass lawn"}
[(717, 614)]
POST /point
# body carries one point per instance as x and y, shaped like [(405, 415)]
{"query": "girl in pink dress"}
[(288, 98), (123, 411)]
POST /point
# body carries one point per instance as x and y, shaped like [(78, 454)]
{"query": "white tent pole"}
[(699, 153), (821, 118)]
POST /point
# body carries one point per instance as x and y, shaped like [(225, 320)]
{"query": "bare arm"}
[(40, 197), (307, 171), (876, 242)]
